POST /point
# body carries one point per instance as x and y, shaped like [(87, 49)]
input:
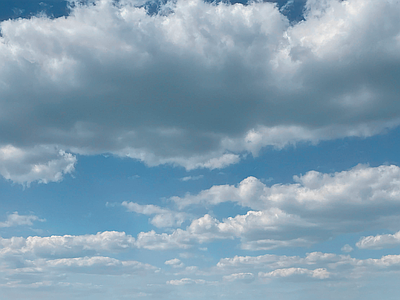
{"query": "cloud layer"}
[(196, 85)]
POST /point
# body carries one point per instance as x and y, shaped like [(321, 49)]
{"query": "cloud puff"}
[(19, 220), (175, 263), (379, 241), (40, 163), (197, 85)]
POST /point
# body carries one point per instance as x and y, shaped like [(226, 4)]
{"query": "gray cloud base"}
[(198, 84)]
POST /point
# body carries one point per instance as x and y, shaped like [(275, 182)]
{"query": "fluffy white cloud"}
[(361, 187), (67, 245), (175, 263), (379, 241), (314, 208), (315, 265), (163, 217), (40, 163), (252, 228), (19, 220), (274, 262), (96, 265), (244, 277), (317, 273), (187, 87), (87, 265)]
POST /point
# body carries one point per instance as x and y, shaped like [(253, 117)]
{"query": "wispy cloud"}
[(188, 178), (15, 219)]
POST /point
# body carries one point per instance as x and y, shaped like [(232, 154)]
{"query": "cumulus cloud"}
[(241, 277), (271, 261), (19, 220), (186, 87), (96, 265), (163, 217), (280, 228), (317, 273), (175, 263), (317, 206), (67, 245), (316, 265), (379, 241), (42, 164), (361, 186)]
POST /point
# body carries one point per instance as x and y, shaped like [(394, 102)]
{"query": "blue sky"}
[(196, 150)]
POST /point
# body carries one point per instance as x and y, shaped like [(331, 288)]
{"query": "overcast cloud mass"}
[(190, 149), (197, 85)]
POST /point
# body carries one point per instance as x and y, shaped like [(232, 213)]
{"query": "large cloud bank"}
[(196, 85)]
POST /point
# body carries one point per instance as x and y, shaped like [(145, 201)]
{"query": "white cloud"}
[(188, 178), (360, 186), (317, 206), (96, 265), (19, 220), (187, 88), (379, 241), (88, 265), (175, 263), (243, 277), (250, 228), (347, 248), (67, 245), (315, 265), (274, 262), (317, 273), (163, 217), (42, 164), (186, 281), (144, 209)]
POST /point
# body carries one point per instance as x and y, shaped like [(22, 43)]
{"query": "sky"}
[(199, 150)]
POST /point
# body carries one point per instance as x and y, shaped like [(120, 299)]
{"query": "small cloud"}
[(175, 263), (111, 204), (19, 220), (163, 217), (188, 178), (244, 277), (134, 177), (186, 281), (347, 248)]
